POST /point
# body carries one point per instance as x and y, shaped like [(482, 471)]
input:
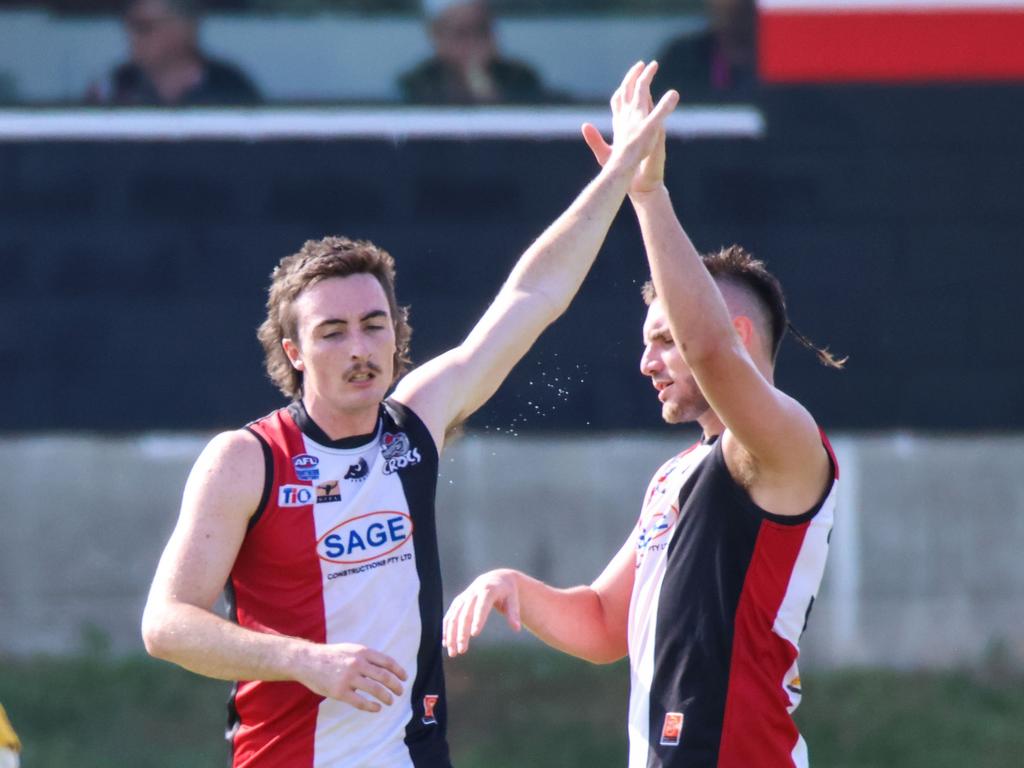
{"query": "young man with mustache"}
[(320, 516)]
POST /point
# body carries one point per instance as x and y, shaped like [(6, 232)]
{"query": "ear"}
[(745, 329), (294, 353)]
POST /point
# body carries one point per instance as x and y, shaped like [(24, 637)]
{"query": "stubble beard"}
[(686, 408)]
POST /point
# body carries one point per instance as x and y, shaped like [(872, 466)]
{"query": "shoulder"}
[(421, 78), (401, 416), (519, 80), (234, 459), (519, 70), (788, 488), (227, 77)]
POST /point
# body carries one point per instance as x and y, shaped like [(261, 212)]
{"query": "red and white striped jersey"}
[(343, 550), (721, 594)]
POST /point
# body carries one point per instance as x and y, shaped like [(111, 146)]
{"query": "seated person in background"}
[(466, 67), (167, 66), (8, 89), (718, 63)]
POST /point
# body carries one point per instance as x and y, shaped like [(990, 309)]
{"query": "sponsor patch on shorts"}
[(672, 729)]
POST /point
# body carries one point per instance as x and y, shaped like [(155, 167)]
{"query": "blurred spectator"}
[(167, 66), (466, 67), (8, 90), (720, 62)]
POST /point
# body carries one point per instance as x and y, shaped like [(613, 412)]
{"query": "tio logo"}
[(294, 496)]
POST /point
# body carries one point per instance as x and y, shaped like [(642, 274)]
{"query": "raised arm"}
[(770, 436), (588, 622), (179, 624), (447, 389)]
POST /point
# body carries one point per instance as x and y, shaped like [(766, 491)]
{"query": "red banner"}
[(813, 41)]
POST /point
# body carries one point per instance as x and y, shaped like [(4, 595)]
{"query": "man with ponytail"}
[(713, 587)]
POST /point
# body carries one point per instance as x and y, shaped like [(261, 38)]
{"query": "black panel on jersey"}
[(234, 721), (427, 742), (313, 430), (706, 566), (268, 480)]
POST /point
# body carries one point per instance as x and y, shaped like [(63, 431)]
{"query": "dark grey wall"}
[(133, 275)]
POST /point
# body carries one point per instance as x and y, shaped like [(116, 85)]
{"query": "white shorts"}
[(8, 758)]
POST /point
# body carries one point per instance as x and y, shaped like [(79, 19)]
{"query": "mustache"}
[(368, 366)]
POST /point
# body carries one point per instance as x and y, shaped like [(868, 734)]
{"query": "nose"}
[(649, 363), (358, 348)]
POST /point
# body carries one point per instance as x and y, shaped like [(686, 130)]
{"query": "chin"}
[(670, 414), (676, 413)]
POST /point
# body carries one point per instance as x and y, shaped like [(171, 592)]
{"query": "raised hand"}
[(638, 128), (469, 611), (349, 672)]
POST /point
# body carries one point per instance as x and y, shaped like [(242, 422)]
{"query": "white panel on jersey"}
[(807, 573), (658, 520), (371, 595)]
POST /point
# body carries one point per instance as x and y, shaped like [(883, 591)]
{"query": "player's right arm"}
[(179, 625), (589, 622)]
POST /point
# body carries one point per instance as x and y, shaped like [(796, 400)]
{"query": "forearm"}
[(554, 266), (697, 313), (210, 645), (572, 620)]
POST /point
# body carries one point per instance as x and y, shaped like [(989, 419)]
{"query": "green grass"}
[(510, 707)]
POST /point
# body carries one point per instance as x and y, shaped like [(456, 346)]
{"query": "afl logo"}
[(365, 537), (306, 467)]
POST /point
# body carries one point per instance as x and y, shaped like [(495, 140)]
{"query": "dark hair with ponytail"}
[(737, 265)]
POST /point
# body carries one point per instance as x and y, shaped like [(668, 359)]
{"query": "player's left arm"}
[(770, 437), (448, 389)]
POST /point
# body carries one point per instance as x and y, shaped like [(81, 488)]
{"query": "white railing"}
[(396, 123)]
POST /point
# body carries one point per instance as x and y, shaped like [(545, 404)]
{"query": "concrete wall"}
[(925, 568), (329, 57)]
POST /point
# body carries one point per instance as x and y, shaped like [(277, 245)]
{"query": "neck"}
[(338, 424), (711, 424)]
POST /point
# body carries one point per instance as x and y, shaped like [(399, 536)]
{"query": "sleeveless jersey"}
[(343, 549), (721, 595)]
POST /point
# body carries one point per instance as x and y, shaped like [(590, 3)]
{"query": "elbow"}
[(155, 636), (605, 648), (602, 656)]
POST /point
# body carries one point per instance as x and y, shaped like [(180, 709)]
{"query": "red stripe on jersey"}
[(757, 728), (831, 453), (278, 587)]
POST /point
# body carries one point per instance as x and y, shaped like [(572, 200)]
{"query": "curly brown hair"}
[(318, 260)]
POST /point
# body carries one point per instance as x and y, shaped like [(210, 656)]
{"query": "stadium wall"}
[(924, 570), (892, 215)]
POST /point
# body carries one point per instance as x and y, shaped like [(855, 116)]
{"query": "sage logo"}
[(365, 537)]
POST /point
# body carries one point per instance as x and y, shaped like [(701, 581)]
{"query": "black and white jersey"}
[(343, 550), (721, 595)]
